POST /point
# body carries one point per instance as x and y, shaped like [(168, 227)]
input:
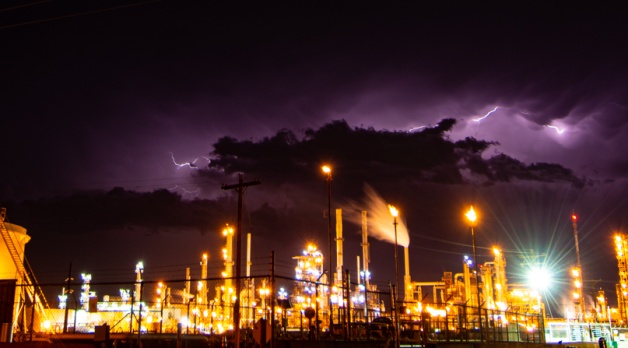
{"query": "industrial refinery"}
[(472, 303)]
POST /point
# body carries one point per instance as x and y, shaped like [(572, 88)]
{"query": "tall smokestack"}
[(204, 291), (339, 240), (365, 249), (187, 283), (407, 282)]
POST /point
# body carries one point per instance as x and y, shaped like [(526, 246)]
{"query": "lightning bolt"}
[(479, 119), (413, 129), (485, 116), (191, 165), (558, 130), (195, 193)]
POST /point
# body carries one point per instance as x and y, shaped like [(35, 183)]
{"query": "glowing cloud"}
[(558, 130)]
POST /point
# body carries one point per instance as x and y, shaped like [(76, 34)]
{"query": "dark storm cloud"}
[(421, 156)]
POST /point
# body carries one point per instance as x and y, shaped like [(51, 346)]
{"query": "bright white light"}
[(557, 129), (539, 278)]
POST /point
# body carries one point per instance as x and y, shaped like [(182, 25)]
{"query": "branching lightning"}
[(191, 165), (479, 119), (194, 193)]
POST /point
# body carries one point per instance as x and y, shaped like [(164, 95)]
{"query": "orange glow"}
[(393, 211), (227, 230), (471, 215)]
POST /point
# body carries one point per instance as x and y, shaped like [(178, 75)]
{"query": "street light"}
[(327, 170), (472, 217)]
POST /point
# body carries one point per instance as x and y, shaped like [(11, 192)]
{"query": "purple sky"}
[(98, 95)]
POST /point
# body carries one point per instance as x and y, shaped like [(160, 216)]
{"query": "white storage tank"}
[(12, 246), (16, 245)]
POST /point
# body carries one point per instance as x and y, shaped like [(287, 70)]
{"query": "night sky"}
[(121, 120)]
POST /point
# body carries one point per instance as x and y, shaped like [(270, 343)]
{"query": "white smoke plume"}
[(380, 221)]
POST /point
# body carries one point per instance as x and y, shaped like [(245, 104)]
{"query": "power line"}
[(50, 19)]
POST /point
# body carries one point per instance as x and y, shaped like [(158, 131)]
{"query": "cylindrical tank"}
[(12, 245), (18, 239)]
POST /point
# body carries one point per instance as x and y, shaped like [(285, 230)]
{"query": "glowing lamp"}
[(227, 230), (326, 169), (471, 216)]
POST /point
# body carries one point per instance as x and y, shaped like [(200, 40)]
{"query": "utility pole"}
[(240, 187)]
